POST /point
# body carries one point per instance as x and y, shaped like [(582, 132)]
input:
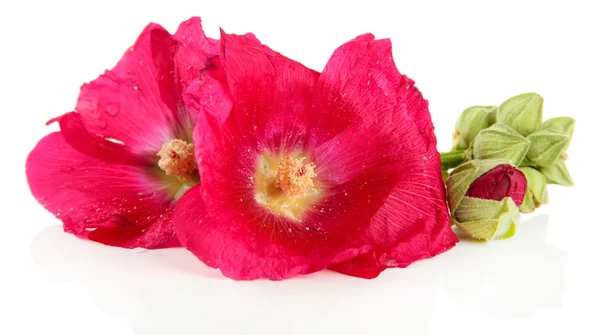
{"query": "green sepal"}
[(527, 162), (475, 209), (557, 173), (471, 121), (536, 190), (546, 146), (522, 112), (502, 225), (500, 141), (459, 181)]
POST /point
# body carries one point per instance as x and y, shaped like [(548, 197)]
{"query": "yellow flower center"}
[(177, 160), (295, 178), (286, 185)]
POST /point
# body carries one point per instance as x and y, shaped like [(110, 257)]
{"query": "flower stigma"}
[(294, 177), (177, 160), (286, 185)]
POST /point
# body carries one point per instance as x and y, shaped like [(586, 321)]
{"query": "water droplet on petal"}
[(66, 169), (112, 110)]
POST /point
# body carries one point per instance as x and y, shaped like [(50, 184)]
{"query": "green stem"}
[(452, 159)]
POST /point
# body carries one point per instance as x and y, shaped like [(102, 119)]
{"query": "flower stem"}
[(452, 159)]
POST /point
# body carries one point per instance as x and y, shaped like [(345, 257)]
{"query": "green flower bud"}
[(500, 141), (536, 193), (557, 173), (482, 196), (547, 146), (522, 113), (562, 124), (470, 123)]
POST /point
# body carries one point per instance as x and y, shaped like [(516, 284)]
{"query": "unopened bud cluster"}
[(514, 132)]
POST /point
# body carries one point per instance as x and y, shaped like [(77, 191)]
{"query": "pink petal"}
[(413, 223), (363, 266), (194, 51), (159, 234), (87, 193), (275, 92), (76, 135), (209, 96), (230, 246), (140, 101)]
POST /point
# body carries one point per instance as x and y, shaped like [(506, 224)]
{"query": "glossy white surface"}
[(543, 281)]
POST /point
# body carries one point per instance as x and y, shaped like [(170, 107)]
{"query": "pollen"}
[(294, 177), (177, 159), (286, 184)]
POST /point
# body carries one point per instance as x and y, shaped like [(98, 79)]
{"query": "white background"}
[(543, 281)]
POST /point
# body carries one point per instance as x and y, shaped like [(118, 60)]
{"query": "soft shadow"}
[(171, 292), (508, 278)]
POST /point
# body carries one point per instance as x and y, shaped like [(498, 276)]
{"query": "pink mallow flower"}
[(125, 155), (302, 171)]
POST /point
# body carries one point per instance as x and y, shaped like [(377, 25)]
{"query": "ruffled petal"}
[(194, 51), (273, 93), (416, 206), (413, 222), (230, 246), (76, 135), (364, 266), (135, 103), (140, 101), (159, 234), (87, 193)]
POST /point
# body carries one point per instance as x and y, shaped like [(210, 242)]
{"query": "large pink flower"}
[(124, 156), (303, 171)]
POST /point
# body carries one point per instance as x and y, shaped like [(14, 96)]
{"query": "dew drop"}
[(112, 110), (66, 169)]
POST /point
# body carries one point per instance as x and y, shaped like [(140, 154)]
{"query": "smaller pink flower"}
[(125, 155)]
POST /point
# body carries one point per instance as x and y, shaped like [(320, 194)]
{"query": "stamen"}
[(177, 159), (294, 177)]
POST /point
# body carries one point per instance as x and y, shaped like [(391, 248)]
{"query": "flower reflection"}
[(166, 292), (511, 278)]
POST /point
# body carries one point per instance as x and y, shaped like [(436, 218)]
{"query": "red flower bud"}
[(500, 182)]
